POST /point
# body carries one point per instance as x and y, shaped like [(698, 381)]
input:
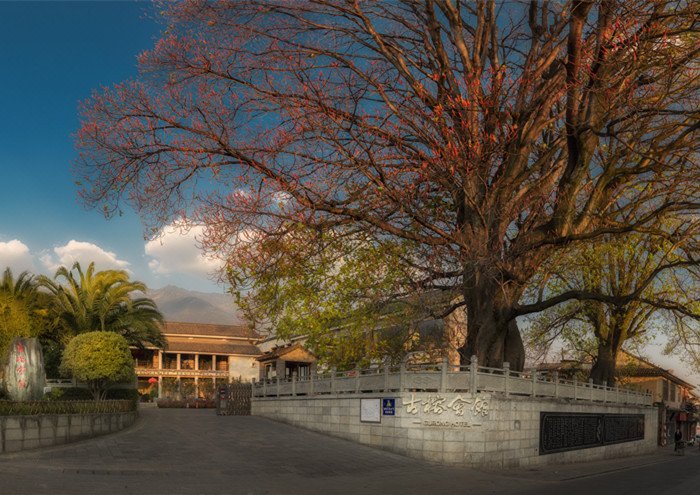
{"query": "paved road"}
[(175, 451)]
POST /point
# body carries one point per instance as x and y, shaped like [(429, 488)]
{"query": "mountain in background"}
[(178, 304)]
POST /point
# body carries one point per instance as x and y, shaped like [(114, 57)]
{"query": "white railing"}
[(444, 377)]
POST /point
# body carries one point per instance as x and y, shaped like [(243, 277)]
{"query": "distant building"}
[(284, 361), (678, 405), (197, 358)]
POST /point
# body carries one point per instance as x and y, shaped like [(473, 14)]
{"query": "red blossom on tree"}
[(483, 135)]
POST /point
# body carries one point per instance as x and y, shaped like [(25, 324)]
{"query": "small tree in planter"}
[(100, 359)]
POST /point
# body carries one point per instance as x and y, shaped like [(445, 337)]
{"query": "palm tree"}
[(22, 308), (23, 287), (90, 300)]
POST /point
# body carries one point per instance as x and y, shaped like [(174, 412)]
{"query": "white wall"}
[(456, 429)]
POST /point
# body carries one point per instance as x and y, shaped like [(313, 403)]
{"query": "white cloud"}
[(84, 253), (16, 255), (175, 251)]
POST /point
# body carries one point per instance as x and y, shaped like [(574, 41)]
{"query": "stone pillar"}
[(473, 376), (443, 374), (160, 360), (280, 369), (177, 366), (196, 361), (160, 387), (213, 362)]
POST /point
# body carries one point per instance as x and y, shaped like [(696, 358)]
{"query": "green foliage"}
[(635, 287), (33, 408), (101, 359), (104, 300), (22, 309), (15, 321), (53, 353), (340, 291), (169, 387), (69, 393), (186, 404)]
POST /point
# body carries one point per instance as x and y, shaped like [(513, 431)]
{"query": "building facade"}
[(196, 359)]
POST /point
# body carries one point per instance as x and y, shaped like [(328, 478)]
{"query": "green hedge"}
[(32, 408), (188, 403), (77, 393)]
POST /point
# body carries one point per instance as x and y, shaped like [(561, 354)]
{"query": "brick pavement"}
[(176, 451)]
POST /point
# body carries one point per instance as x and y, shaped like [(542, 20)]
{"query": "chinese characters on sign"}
[(475, 407), (20, 368)]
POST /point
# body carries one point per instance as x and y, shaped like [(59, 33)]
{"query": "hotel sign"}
[(447, 410)]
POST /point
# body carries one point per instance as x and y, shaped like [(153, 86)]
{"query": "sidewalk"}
[(565, 472)]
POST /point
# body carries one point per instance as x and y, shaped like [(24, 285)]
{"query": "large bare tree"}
[(483, 134)]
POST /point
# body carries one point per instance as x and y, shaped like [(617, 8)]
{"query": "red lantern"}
[(153, 380)]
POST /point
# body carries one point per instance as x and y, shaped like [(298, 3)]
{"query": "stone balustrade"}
[(444, 377)]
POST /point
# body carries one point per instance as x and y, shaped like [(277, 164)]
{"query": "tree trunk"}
[(455, 335), (603, 370), (493, 336)]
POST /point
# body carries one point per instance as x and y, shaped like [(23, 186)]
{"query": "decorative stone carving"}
[(25, 377)]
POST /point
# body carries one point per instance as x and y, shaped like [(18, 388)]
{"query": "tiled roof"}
[(281, 351), (213, 348), (209, 330)]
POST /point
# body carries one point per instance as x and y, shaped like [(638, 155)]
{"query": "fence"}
[(444, 377)]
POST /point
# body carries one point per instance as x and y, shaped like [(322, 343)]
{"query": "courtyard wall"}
[(19, 433)]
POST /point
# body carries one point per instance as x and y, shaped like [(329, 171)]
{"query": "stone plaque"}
[(24, 372), (560, 432)]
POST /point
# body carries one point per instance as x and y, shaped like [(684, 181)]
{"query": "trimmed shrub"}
[(100, 359)]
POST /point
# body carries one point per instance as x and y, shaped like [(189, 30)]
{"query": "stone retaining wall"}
[(29, 432), (456, 429)]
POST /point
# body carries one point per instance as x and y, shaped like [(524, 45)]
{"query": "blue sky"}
[(52, 55)]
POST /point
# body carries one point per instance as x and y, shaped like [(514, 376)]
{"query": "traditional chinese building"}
[(285, 361), (197, 358)]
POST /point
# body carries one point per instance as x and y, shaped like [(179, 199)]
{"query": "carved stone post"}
[(402, 375), (386, 377), (333, 380), (473, 376), (556, 383), (506, 375), (443, 374), (534, 383), (294, 383)]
